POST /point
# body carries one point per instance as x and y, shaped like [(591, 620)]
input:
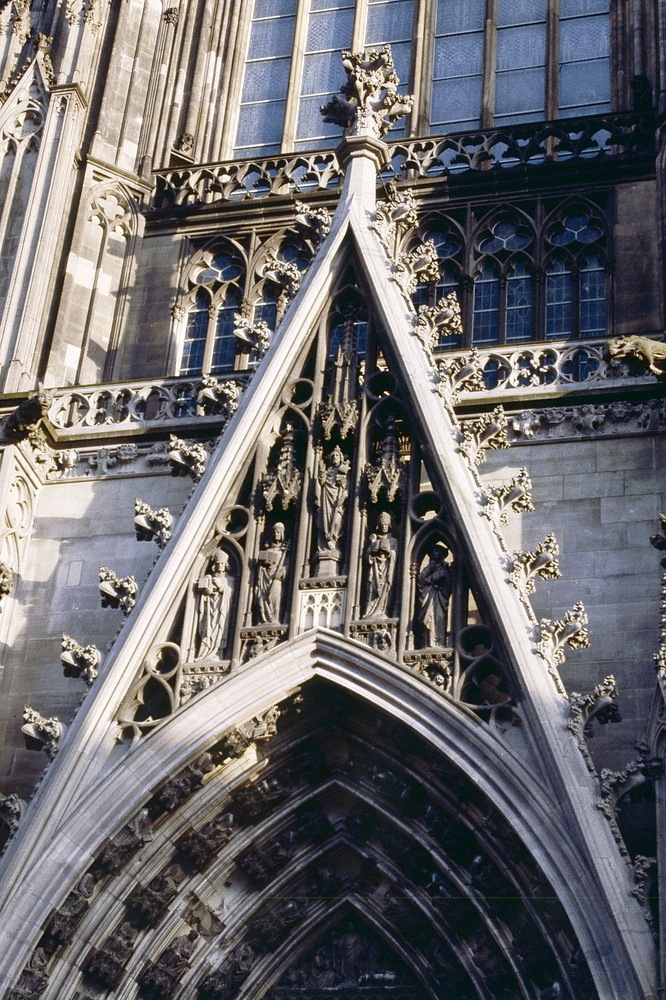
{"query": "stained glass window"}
[(330, 29), (458, 64), (592, 298), (391, 22), (559, 300), (519, 305)]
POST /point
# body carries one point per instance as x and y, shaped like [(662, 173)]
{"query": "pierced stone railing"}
[(164, 403), (537, 370), (532, 145)]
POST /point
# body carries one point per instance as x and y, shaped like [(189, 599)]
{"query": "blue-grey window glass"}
[(592, 298), (263, 97), (330, 27), (224, 345), (458, 63), (559, 301), (584, 73), (391, 22), (520, 77), (505, 237), (195, 337), (576, 226), (519, 305), (485, 325)]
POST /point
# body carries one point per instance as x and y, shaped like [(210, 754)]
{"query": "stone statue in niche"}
[(272, 566), (381, 557), (435, 583), (331, 494), (215, 589)]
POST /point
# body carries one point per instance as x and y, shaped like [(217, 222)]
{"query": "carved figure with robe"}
[(331, 493), (381, 557), (215, 589), (272, 565), (435, 583)]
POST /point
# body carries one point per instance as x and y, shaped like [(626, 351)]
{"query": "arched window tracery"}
[(217, 280), (575, 274), (503, 283)]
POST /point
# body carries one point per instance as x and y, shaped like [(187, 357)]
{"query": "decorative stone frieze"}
[(117, 592), (602, 705), (41, 733), (152, 525), (591, 420), (485, 432), (542, 562), (517, 495), (524, 146), (187, 458), (650, 352), (259, 639), (555, 635), (370, 103), (79, 661)]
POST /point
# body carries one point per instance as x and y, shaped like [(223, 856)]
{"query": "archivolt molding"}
[(93, 821)]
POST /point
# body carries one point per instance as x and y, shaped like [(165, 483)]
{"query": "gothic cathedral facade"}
[(332, 422)]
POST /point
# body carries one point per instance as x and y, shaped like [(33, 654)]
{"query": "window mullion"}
[(360, 25), (295, 77), (489, 59), (422, 61), (210, 340), (552, 59), (575, 300), (501, 319)]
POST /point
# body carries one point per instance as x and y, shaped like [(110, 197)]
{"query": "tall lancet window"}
[(458, 65), (584, 78), (330, 28), (521, 61), (512, 61), (266, 80)]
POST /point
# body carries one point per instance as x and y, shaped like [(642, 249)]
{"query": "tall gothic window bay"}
[(472, 63)]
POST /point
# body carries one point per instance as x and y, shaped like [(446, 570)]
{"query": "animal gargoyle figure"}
[(651, 352)]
